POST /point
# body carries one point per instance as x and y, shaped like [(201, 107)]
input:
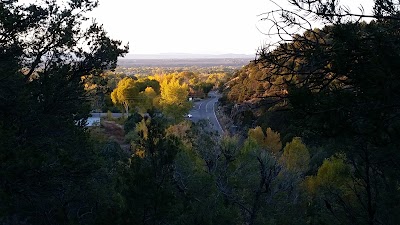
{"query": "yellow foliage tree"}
[(140, 93), (273, 141), (125, 92), (174, 97), (146, 98), (257, 135), (270, 140)]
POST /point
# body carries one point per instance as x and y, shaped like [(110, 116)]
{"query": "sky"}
[(188, 26)]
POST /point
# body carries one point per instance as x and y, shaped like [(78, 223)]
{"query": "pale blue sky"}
[(188, 26)]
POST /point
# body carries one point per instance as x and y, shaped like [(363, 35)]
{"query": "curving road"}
[(205, 109)]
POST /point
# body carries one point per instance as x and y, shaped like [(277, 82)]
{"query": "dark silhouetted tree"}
[(341, 87), (48, 166)]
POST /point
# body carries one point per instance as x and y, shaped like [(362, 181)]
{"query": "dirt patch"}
[(115, 132)]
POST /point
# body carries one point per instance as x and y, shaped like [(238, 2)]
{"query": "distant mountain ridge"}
[(188, 56)]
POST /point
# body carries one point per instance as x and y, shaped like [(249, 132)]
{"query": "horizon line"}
[(186, 55)]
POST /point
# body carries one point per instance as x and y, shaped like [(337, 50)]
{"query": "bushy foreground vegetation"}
[(337, 88)]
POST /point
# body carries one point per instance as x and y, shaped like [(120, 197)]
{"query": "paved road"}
[(114, 115), (205, 109)]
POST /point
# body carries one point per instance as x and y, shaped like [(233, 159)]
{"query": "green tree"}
[(238, 183), (253, 180), (296, 157), (50, 172), (194, 175), (334, 173), (149, 186), (340, 86), (329, 189)]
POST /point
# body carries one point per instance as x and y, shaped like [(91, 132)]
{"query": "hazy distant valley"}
[(185, 60)]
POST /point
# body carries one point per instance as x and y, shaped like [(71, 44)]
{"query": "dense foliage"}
[(50, 171), (103, 89), (338, 88)]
